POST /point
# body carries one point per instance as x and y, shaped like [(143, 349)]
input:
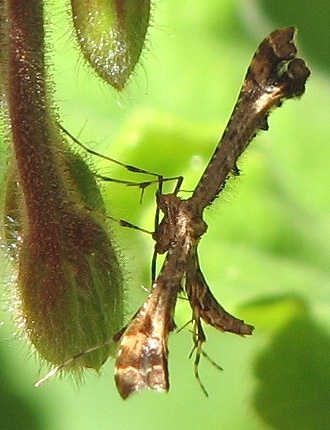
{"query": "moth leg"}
[(198, 338)]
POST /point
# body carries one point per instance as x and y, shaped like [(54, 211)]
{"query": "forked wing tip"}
[(130, 381)]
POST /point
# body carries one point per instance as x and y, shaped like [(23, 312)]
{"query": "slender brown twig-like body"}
[(274, 75)]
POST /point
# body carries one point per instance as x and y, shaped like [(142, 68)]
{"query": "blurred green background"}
[(265, 255)]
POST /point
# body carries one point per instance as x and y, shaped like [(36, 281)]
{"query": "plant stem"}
[(36, 155)]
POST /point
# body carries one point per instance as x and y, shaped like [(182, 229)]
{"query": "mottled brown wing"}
[(204, 304), (142, 357)]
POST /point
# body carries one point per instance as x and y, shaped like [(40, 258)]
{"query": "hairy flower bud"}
[(111, 35), (69, 288), (69, 292)]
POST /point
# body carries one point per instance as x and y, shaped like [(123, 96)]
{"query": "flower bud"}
[(69, 287), (111, 35), (69, 293)]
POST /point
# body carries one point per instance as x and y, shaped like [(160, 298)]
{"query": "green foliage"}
[(265, 254)]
